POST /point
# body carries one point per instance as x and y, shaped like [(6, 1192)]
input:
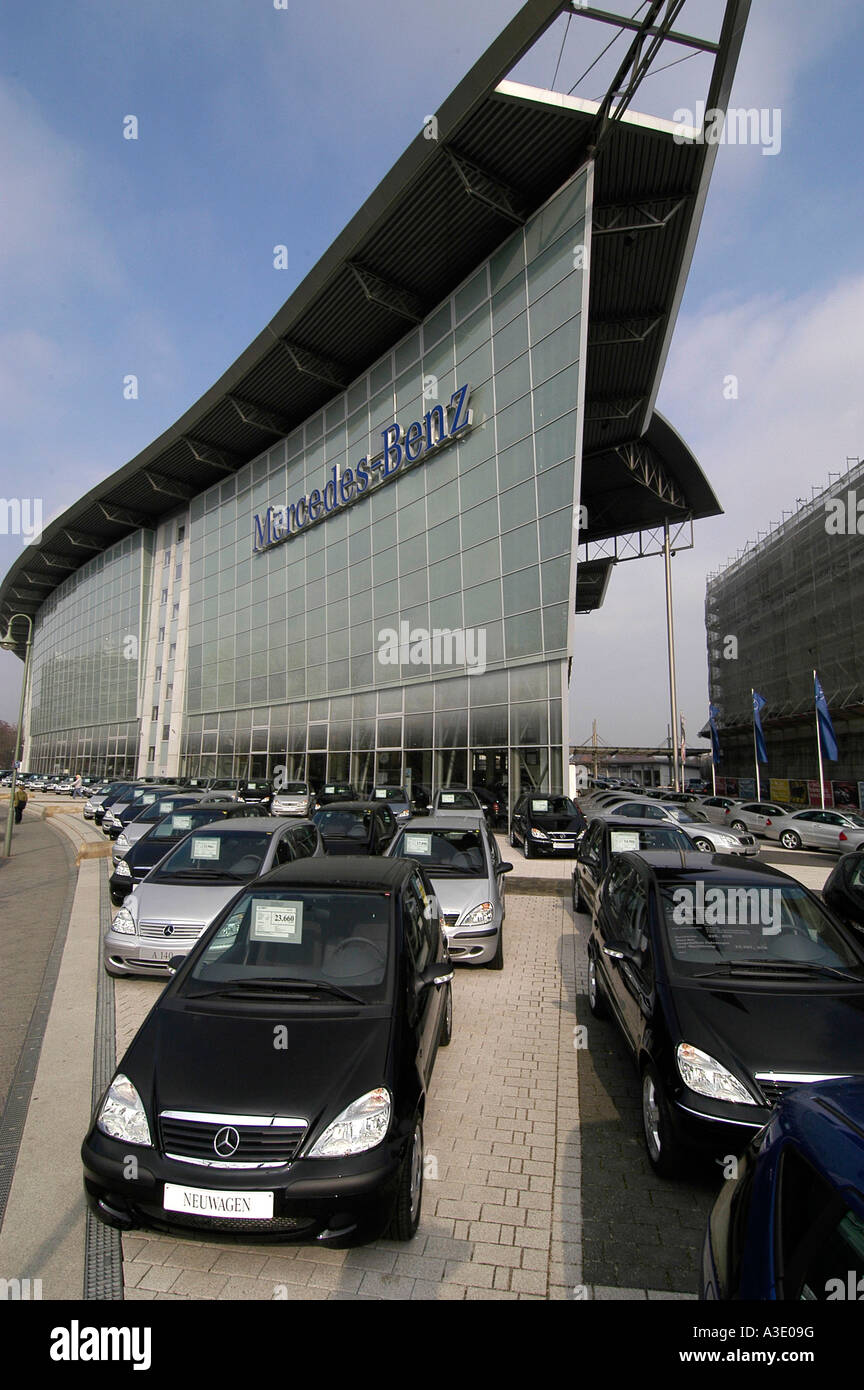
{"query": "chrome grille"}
[(155, 931), (264, 1141), (449, 919)]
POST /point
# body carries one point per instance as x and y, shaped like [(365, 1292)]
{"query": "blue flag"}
[(826, 728), (758, 705), (716, 753)]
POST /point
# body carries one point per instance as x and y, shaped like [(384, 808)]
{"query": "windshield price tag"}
[(418, 844), (620, 841), (381, 794), (540, 804), (181, 822), (165, 806), (148, 799), (447, 798), (277, 922), (205, 848)]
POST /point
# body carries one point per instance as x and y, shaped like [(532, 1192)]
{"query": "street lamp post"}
[(7, 642)]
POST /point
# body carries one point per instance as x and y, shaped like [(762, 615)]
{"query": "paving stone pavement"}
[(501, 1215)]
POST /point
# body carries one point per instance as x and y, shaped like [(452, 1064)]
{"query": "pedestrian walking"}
[(78, 787), (20, 803)]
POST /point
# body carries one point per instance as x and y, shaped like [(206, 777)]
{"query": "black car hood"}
[(796, 1030), (548, 821), (189, 1056)]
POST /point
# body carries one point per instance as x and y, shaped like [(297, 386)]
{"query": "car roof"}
[(351, 806), (636, 823), (678, 864), (246, 824), (344, 871), (451, 820)]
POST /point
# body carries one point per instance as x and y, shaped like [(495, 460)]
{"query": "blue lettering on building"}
[(398, 452)]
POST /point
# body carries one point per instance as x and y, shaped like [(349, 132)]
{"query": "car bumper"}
[(472, 945), (554, 847), (136, 955), (713, 1126), (329, 1201)]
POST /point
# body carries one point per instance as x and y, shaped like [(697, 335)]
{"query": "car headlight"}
[(122, 1115), (124, 923), (706, 1077), (122, 839), (403, 814), (361, 1126), (539, 834), (121, 868), (479, 916), (726, 839)]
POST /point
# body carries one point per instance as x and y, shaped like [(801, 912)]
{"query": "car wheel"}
[(738, 825), (406, 1213), (497, 961), (705, 846), (596, 1001), (513, 844), (790, 840), (663, 1151), (446, 1032)]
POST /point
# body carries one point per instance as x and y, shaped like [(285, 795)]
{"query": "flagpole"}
[(819, 745), (755, 747)]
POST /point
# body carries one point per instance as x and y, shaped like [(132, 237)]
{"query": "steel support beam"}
[(260, 417), (312, 364), (393, 297), (486, 188)]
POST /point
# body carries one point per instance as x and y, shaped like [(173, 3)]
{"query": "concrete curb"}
[(44, 1226)]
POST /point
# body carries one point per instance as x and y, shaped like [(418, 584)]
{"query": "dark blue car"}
[(791, 1225)]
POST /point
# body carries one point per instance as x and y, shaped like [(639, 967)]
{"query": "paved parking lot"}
[(537, 1183)]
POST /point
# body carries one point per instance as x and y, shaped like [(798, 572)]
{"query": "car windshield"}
[(179, 823), (456, 852), (552, 806), (222, 854), (155, 811), (306, 944), (295, 789), (389, 794), (351, 825), (654, 837), (724, 926), (455, 801)]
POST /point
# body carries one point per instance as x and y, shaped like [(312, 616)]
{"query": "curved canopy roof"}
[(502, 150)]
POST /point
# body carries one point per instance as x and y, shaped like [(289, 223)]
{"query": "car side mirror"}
[(438, 973), (174, 964), (503, 868), (430, 909)]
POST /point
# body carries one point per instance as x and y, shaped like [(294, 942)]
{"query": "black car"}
[(278, 1086), (334, 791), (730, 982), (844, 889), (260, 791), (356, 827), (545, 823), (163, 836), (605, 837)]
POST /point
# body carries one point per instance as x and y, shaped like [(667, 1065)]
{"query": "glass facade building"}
[(287, 662)]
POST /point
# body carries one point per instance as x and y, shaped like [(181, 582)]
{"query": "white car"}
[(758, 816)]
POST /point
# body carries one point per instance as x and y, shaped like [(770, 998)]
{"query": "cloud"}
[(799, 359)]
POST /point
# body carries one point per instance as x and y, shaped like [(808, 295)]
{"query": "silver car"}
[(463, 861), (757, 816), (294, 799), (167, 912), (819, 830), (715, 807), (706, 837)]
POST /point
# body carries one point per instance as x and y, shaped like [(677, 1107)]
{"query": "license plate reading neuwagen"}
[(202, 1201)]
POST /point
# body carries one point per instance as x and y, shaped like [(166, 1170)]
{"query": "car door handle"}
[(616, 955)]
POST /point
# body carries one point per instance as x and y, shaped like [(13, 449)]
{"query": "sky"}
[(260, 126)]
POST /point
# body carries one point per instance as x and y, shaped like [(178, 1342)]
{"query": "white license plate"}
[(202, 1201), (157, 955)]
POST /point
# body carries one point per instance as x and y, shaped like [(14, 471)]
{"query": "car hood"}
[(807, 1030), (193, 1056), (173, 902), (460, 894), (552, 822)]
